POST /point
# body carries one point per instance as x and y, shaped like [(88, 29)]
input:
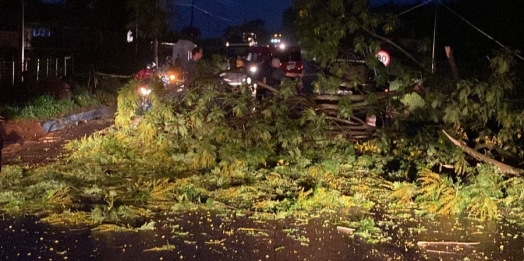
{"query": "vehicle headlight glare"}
[(145, 91)]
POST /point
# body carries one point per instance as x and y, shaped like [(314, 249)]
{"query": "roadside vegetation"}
[(48, 106), (454, 149)]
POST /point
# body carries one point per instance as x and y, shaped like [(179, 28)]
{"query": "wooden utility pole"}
[(433, 62), (22, 40), (192, 12), (155, 42)]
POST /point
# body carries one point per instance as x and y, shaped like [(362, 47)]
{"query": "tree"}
[(481, 114), (150, 19)]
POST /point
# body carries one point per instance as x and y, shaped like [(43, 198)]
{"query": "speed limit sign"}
[(383, 57)]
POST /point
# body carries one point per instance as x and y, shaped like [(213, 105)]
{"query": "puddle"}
[(206, 236)]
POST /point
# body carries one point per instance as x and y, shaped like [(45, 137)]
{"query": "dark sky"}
[(212, 16)]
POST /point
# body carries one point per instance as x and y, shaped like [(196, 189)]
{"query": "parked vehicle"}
[(171, 79), (259, 59)]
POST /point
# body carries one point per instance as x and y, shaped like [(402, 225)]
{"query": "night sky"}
[(213, 16)]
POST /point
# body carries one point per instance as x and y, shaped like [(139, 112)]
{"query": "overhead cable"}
[(204, 11), (482, 32), (415, 7)]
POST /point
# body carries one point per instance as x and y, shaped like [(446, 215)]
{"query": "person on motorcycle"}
[(146, 73)]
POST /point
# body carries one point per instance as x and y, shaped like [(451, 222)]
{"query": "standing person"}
[(239, 62), (276, 74), (190, 67), (311, 70), (178, 62)]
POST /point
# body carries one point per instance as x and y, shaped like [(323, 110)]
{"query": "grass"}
[(47, 107)]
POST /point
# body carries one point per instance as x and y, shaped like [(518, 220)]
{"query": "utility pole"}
[(22, 40), (155, 42), (192, 12), (192, 19), (433, 63)]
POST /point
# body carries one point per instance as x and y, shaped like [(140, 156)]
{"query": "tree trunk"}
[(451, 61), (503, 168)]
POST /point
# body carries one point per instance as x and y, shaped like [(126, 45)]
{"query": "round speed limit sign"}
[(383, 57)]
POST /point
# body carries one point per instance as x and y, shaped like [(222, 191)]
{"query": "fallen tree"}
[(352, 127), (503, 168)]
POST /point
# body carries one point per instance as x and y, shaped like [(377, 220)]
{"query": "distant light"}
[(282, 46), (227, 44)]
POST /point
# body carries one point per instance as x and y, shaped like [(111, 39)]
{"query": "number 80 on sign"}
[(383, 57)]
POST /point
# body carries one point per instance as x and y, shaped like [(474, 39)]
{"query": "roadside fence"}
[(14, 72)]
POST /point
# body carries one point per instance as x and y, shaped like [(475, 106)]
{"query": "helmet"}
[(151, 65)]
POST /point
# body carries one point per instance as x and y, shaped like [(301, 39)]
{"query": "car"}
[(259, 59), (290, 58)]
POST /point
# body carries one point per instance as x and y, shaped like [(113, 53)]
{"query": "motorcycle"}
[(144, 103), (172, 79)]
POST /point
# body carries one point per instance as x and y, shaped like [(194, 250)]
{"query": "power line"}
[(204, 11), (478, 29), (415, 7), (225, 2)]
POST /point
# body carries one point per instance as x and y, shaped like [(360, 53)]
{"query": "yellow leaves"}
[(320, 199), (439, 193), (432, 184), (461, 166), (403, 192), (483, 207), (202, 159), (161, 189), (494, 140), (368, 146)]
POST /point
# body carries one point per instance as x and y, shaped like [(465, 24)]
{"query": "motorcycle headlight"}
[(144, 91), (172, 77), (253, 69), (248, 80)]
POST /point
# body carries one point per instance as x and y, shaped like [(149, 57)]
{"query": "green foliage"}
[(47, 107), (438, 194), (10, 175), (40, 108), (480, 198), (488, 111), (367, 230)]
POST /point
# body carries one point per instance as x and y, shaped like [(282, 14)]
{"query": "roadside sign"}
[(383, 57), (129, 36)]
